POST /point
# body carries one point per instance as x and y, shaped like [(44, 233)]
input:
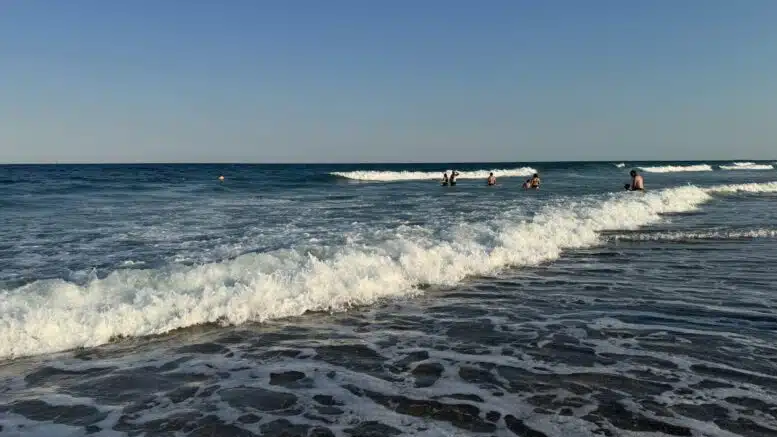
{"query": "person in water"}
[(445, 179), (491, 179), (637, 183), (533, 182), (454, 175)]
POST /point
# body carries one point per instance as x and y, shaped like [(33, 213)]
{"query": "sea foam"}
[(54, 315), (390, 176), (746, 166), (677, 168), (705, 235)]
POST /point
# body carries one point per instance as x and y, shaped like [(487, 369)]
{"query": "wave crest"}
[(677, 168), (390, 176), (746, 166)]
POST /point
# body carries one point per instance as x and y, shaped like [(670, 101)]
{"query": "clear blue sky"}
[(386, 80)]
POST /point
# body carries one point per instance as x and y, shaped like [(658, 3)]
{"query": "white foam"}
[(389, 176), (621, 165), (747, 166), (709, 235), (766, 187), (677, 168), (52, 315)]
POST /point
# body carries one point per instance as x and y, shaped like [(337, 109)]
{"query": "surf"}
[(392, 176), (55, 315), (746, 166), (677, 168)]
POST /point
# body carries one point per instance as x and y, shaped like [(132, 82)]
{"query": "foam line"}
[(390, 176), (747, 166), (677, 168)]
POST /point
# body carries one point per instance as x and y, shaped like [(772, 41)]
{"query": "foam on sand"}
[(53, 315), (677, 168), (747, 166), (390, 176)]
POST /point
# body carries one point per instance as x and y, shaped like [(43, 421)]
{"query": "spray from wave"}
[(54, 315), (746, 166), (620, 165), (677, 168), (390, 176)]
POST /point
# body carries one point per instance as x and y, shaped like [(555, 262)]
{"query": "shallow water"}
[(388, 306)]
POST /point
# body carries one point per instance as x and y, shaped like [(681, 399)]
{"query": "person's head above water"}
[(536, 175), (633, 173)]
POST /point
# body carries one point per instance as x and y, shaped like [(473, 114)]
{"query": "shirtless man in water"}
[(491, 179), (637, 183)]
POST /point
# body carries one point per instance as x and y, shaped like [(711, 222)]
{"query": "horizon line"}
[(379, 162)]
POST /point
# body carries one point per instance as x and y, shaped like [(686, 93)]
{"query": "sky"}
[(387, 80)]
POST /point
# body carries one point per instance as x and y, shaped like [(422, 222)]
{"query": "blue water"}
[(655, 305)]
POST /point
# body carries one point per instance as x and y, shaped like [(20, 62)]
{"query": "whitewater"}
[(53, 315), (297, 300), (388, 176)]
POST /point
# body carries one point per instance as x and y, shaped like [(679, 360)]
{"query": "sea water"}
[(356, 300)]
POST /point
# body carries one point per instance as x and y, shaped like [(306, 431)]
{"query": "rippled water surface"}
[(370, 301)]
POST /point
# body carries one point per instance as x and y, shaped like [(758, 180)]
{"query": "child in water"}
[(532, 182)]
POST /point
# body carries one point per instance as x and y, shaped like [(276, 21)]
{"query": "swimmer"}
[(454, 175), (444, 182), (534, 182), (221, 178), (491, 179), (637, 183)]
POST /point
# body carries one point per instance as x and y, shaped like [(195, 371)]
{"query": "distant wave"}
[(677, 168), (389, 176), (747, 166), (620, 165), (54, 315)]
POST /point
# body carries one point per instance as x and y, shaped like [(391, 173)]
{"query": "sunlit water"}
[(371, 301)]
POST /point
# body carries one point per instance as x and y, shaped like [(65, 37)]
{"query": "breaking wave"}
[(676, 168), (747, 166), (390, 176), (54, 315)]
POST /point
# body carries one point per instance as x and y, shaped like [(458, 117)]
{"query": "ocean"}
[(368, 300)]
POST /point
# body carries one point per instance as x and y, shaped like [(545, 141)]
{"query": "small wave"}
[(390, 176), (746, 166), (766, 187), (691, 236), (620, 165), (677, 168), (54, 315)]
